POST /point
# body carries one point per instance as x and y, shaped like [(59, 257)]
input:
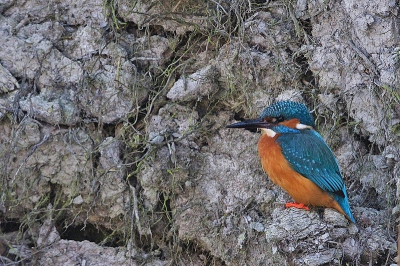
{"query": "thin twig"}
[(364, 57), (45, 138)]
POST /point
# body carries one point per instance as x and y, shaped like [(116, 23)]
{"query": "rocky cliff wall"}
[(113, 146)]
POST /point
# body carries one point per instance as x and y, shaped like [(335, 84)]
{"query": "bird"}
[(296, 157)]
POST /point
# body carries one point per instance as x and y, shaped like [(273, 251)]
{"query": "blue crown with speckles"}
[(289, 110)]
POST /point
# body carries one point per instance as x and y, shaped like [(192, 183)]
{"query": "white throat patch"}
[(270, 133), (302, 126)]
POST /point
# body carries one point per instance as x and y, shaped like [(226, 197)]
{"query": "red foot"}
[(297, 205)]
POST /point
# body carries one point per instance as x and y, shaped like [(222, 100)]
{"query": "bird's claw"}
[(297, 205)]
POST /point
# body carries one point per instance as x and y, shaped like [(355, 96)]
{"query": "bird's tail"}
[(344, 204)]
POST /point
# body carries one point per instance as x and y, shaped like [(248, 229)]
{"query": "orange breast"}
[(301, 189)]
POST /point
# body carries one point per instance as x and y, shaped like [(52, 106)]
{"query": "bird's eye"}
[(280, 119)]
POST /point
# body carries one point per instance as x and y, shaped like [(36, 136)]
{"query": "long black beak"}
[(251, 124)]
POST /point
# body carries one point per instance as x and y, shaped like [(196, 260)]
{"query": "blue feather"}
[(309, 155)]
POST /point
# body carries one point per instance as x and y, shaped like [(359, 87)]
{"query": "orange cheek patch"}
[(292, 123)]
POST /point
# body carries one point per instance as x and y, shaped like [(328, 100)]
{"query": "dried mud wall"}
[(113, 146)]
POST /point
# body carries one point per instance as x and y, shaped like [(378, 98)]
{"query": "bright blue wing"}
[(310, 156)]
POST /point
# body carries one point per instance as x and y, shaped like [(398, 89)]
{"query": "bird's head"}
[(280, 117)]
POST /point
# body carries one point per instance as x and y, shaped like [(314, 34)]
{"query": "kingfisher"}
[(297, 158)]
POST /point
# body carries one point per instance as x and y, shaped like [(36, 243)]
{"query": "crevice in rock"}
[(54, 196), (9, 225), (90, 232), (306, 25), (307, 77), (239, 116), (372, 147), (108, 130), (96, 159), (371, 198)]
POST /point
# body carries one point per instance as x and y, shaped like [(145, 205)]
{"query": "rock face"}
[(113, 146)]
